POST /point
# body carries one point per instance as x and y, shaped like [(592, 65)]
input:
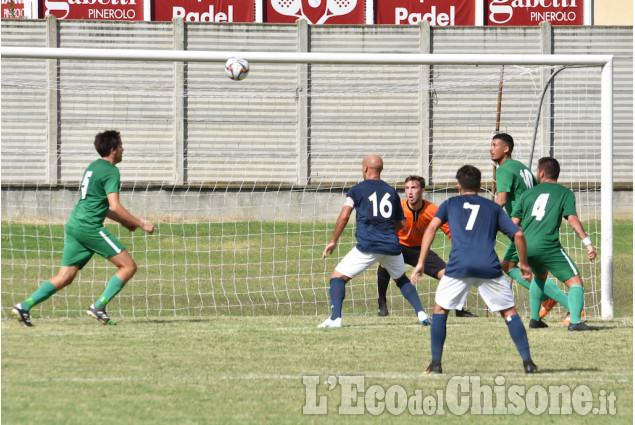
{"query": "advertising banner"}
[(316, 11), (533, 12), (19, 9), (110, 10), (13, 9), (437, 12), (204, 10)]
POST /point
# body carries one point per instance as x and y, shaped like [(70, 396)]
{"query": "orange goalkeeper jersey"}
[(416, 223)]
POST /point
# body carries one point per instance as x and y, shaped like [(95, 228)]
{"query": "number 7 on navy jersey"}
[(473, 214)]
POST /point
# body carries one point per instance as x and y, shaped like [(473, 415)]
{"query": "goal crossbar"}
[(603, 61), (303, 57)]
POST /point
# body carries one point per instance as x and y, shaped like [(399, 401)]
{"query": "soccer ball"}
[(237, 68)]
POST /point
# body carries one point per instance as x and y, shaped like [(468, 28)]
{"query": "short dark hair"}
[(469, 177), (414, 177), (507, 139), (550, 166), (107, 141)]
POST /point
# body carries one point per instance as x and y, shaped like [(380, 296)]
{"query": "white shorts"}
[(496, 292), (357, 261)]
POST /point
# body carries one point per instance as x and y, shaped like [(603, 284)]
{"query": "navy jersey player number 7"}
[(474, 222)]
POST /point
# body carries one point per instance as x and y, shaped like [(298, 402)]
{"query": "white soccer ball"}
[(237, 68)]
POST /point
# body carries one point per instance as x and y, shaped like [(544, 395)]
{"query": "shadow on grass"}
[(606, 328), (570, 369), (182, 320)]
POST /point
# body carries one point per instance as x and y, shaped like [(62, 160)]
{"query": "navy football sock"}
[(437, 335), (337, 293), (409, 292), (519, 335)]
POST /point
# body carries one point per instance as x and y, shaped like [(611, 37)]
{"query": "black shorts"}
[(434, 264)]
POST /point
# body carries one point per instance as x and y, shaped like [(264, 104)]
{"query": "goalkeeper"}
[(379, 215), (418, 214), (85, 233)]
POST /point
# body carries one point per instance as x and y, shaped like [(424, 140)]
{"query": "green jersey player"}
[(85, 233), (513, 178), (540, 211)]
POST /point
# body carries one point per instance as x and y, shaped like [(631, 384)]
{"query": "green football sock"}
[(576, 302), (536, 293), (555, 293), (44, 292), (517, 275), (115, 285)]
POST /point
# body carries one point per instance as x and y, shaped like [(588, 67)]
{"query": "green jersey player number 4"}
[(540, 211)]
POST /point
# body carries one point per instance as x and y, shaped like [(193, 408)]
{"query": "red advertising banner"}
[(437, 12), (533, 12), (316, 11), (110, 10), (204, 10), (12, 9)]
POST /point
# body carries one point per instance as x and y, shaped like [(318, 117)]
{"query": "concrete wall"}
[(197, 140)]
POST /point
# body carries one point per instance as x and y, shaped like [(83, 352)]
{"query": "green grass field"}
[(249, 370), (249, 367), (257, 268)]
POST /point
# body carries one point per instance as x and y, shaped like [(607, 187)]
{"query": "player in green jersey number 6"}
[(539, 211), (513, 178), (85, 233)]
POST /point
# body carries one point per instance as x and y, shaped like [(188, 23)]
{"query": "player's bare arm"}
[(400, 224), (521, 247), (426, 243), (574, 221), (121, 215), (340, 225), (501, 199)]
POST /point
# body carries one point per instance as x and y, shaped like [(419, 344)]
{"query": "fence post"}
[(53, 172), (426, 105), (547, 113), (303, 144), (180, 147)]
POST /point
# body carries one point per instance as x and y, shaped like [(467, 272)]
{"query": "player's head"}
[(501, 147), (372, 166), (469, 178), (107, 141), (414, 188), (548, 169)]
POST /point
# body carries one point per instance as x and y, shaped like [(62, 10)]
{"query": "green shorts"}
[(81, 244), (511, 254), (555, 261)]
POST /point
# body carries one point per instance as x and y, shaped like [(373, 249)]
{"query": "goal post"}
[(296, 184)]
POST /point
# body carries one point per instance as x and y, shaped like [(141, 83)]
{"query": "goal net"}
[(244, 180)]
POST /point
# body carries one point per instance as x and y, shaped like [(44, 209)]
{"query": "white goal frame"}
[(603, 61)]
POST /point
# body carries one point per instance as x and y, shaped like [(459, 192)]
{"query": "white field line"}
[(514, 377), (122, 330), (115, 330)]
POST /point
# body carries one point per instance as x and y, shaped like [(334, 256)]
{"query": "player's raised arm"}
[(121, 215), (340, 225), (426, 243), (574, 221)]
